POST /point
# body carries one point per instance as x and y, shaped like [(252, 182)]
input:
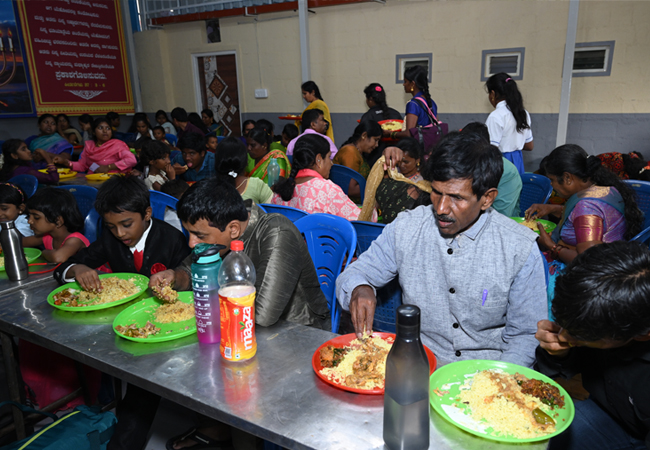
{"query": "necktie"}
[(137, 259)]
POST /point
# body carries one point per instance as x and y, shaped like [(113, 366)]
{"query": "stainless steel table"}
[(275, 395), (7, 286)]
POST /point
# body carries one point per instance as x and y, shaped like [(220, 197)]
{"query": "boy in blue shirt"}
[(198, 162)]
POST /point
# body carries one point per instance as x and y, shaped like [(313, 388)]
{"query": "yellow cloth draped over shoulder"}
[(319, 104), (373, 180)]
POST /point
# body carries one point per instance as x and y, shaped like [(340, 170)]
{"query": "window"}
[(403, 62), (593, 59), (508, 60)]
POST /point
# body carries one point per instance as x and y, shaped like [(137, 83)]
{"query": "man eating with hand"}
[(477, 276)]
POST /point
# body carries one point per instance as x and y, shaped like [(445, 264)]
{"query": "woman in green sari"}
[(259, 140)]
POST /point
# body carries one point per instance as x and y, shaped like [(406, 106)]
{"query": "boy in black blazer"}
[(131, 241)]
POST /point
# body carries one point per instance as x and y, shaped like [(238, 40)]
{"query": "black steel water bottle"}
[(406, 397)]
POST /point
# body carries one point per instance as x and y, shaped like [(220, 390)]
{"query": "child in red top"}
[(57, 224)]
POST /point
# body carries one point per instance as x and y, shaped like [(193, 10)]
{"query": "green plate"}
[(31, 254), (452, 376), (142, 312), (140, 281), (548, 226)]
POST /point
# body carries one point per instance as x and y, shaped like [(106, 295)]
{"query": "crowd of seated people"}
[(445, 203)]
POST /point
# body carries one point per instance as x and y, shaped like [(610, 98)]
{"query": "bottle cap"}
[(206, 253), (8, 225), (408, 315), (236, 246)]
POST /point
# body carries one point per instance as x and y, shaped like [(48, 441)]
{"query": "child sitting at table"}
[(155, 156), (18, 160), (131, 241), (289, 133), (12, 207), (57, 224), (211, 143), (159, 134), (194, 163)]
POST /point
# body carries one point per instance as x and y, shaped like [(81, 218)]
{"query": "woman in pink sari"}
[(103, 154), (308, 188)]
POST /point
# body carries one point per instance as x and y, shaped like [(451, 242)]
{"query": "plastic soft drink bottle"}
[(406, 395), (206, 262), (273, 172), (237, 305), (12, 247)]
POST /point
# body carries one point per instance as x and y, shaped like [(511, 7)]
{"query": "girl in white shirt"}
[(509, 124)]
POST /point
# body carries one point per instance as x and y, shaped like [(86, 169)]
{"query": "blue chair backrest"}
[(159, 202), (28, 183), (535, 189), (92, 225), (173, 140), (289, 212), (642, 189), (331, 241), (643, 236), (85, 196), (290, 158), (342, 175), (389, 297)]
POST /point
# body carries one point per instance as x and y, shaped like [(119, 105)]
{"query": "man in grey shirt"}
[(477, 276)]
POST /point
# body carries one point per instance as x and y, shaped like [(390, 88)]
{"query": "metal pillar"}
[(567, 73), (130, 50), (303, 18)]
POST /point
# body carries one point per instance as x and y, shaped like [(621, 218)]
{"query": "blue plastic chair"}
[(342, 175), (642, 190), (289, 212), (290, 158), (535, 189), (85, 196), (159, 202), (643, 236), (389, 297), (28, 183), (173, 140), (331, 241), (92, 225)]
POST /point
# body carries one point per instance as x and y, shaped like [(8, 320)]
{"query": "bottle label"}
[(237, 325)]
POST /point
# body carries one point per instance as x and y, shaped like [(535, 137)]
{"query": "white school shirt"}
[(502, 127)]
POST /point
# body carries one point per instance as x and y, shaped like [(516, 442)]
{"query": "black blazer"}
[(165, 245)]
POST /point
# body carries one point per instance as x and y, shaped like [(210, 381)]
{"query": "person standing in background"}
[(311, 94), (509, 123)]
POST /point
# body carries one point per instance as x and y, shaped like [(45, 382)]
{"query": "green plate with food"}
[(31, 254), (152, 320), (500, 401), (532, 224), (118, 288)]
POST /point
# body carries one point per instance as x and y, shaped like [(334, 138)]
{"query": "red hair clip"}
[(378, 88)]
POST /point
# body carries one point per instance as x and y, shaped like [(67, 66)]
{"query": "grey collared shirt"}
[(448, 278)]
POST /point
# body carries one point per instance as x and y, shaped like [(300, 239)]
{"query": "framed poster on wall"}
[(77, 56), (16, 98)]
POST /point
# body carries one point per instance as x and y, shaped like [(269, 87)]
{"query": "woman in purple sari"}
[(599, 208)]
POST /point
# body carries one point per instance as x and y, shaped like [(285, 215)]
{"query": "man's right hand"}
[(86, 277), (362, 309), (548, 335), (164, 278)]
